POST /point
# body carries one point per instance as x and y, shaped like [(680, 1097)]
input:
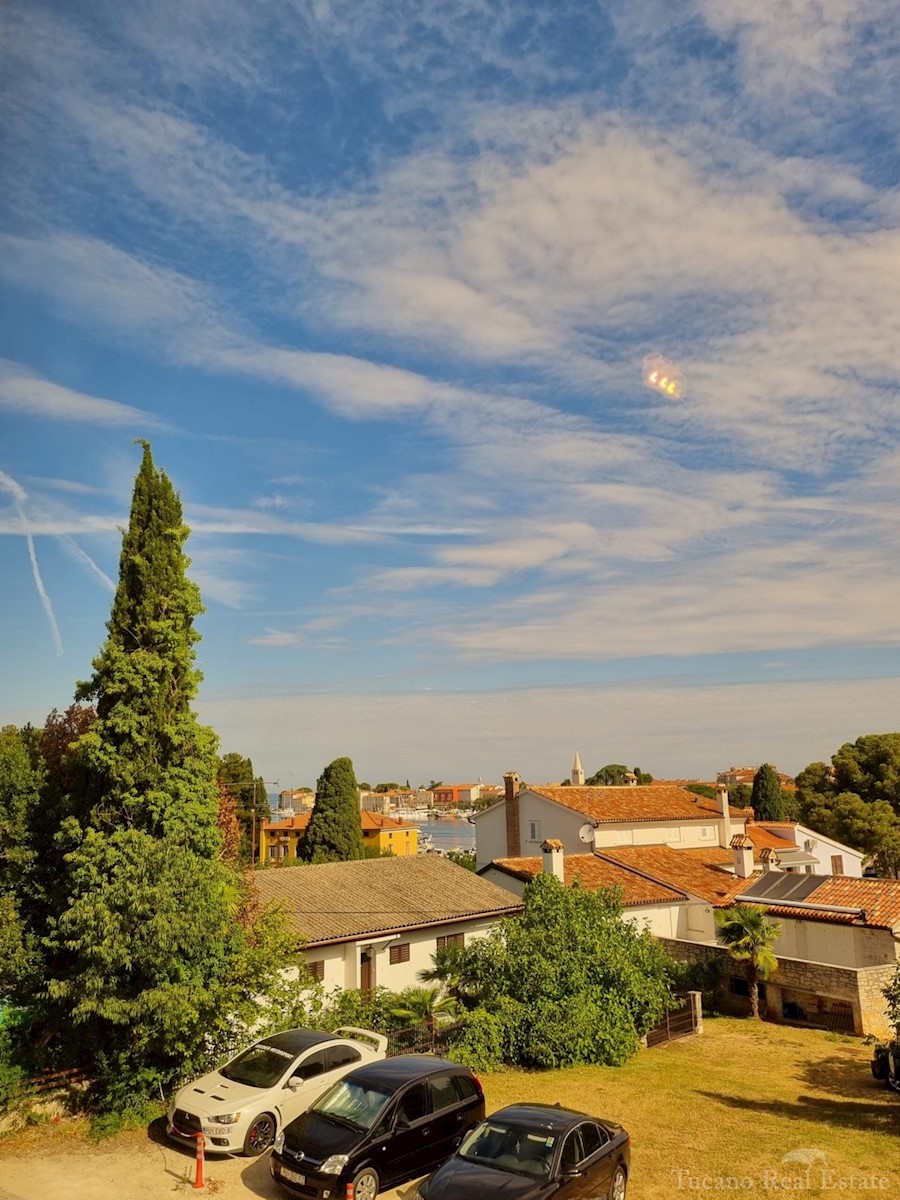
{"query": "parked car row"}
[(343, 1127)]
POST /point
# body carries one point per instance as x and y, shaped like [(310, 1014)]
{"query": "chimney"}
[(770, 859), (553, 860), (742, 849), (513, 832), (724, 815)]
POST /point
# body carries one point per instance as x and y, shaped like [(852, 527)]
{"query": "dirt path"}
[(55, 1165)]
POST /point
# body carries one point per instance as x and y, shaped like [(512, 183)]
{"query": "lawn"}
[(729, 1104), (732, 1103)]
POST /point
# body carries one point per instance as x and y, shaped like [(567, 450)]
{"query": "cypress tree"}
[(147, 762), (766, 799), (334, 833), (156, 951)]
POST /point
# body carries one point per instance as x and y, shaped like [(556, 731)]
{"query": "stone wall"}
[(807, 992)]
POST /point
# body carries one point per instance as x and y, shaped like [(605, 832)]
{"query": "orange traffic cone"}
[(198, 1179), (349, 1191)]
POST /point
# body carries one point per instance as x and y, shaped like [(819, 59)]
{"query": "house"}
[(278, 840), (606, 817), (379, 921), (455, 795), (735, 775), (840, 936)]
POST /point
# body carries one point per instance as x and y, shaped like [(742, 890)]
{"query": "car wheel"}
[(260, 1135), (618, 1185), (365, 1184)]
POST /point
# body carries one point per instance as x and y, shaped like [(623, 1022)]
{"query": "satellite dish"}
[(586, 832)]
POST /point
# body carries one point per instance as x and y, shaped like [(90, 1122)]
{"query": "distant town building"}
[(278, 840), (735, 775)]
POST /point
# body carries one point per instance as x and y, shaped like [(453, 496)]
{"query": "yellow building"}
[(278, 840)]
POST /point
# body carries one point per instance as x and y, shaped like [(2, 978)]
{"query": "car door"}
[(305, 1084), (410, 1152), (448, 1118), (584, 1163)]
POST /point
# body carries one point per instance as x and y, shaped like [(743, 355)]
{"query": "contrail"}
[(19, 499), (72, 548)]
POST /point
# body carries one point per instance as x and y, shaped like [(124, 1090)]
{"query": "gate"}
[(678, 1022)]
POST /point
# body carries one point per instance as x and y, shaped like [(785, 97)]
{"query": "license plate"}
[(216, 1128), (293, 1176)]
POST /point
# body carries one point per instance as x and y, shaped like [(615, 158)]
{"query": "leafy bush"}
[(12, 1074), (704, 976)]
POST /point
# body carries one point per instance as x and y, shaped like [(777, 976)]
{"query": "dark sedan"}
[(532, 1152)]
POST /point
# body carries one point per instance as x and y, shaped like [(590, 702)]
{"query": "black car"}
[(532, 1152), (381, 1125)]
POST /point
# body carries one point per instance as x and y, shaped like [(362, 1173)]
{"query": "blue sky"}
[(377, 280)]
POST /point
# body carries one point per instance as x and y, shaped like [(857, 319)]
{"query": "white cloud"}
[(275, 638), (23, 391)]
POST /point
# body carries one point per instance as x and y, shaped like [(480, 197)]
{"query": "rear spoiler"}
[(377, 1040)]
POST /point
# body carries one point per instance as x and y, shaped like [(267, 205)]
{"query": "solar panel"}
[(778, 885)]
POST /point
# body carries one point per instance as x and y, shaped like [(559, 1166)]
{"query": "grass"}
[(731, 1104)]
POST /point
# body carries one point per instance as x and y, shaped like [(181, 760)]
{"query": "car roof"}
[(552, 1117), (296, 1040), (401, 1069)]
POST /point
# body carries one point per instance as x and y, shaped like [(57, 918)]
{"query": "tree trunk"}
[(754, 991)]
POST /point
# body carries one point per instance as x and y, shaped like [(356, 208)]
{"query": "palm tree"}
[(449, 970), (750, 938), (423, 1004)]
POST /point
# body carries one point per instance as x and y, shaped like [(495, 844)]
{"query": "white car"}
[(243, 1106)]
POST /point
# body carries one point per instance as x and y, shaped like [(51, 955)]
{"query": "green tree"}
[(20, 784), (158, 952), (613, 775), (249, 791), (766, 799), (450, 971), (334, 832), (870, 768), (750, 938), (567, 982), (380, 788)]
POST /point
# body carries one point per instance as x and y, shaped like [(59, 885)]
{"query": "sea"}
[(449, 833)]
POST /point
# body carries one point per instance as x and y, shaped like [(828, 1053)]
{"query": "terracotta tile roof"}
[(335, 902), (371, 822), (702, 872), (878, 898), (651, 803), (595, 872), (764, 839)]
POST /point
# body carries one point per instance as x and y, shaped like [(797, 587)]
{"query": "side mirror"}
[(295, 1083)]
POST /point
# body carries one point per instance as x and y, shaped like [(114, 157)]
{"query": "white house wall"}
[(341, 962), (837, 945), (823, 849), (681, 835)]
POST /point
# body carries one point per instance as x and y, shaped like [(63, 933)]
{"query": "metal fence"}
[(426, 1037)]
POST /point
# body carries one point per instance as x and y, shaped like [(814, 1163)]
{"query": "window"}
[(451, 939), (624, 837), (466, 1086), (443, 1092), (705, 833), (571, 1153), (534, 831), (317, 969), (413, 1104), (592, 1138), (312, 1066), (340, 1056), (837, 864), (399, 953)]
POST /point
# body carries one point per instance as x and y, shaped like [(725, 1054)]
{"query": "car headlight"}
[(334, 1165), (226, 1119), (278, 1144)]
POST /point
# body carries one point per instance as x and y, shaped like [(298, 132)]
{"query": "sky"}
[(377, 280)]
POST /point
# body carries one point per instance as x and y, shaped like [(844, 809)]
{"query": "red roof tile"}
[(702, 872), (635, 803), (593, 873)]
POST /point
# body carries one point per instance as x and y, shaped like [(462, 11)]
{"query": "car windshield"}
[(261, 1066), (510, 1148), (352, 1104)]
